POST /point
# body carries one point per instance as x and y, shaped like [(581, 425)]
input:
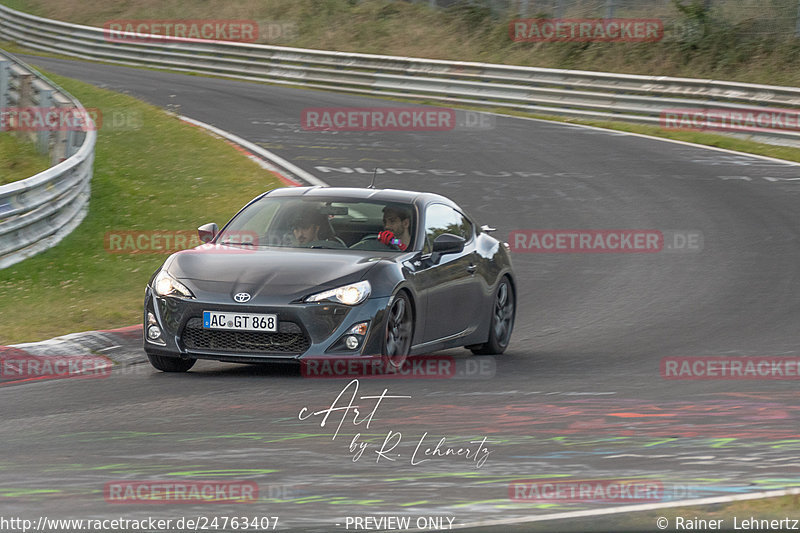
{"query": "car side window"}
[(439, 219)]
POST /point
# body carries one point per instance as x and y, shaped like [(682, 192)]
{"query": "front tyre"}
[(399, 330), (502, 323), (170, 364)]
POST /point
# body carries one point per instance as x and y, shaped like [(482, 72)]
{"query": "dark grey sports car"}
[(317, 271)]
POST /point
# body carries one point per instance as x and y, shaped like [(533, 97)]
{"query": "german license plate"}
[(239, 321)]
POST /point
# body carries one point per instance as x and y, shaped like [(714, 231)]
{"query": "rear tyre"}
[(170, 364), (502, 322), (399, 330)]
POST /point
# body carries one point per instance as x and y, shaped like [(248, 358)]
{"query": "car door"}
[(452, 288)]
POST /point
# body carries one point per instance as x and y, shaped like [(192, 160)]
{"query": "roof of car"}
[(385, 195)]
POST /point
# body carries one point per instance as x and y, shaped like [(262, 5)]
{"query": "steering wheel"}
[(368, 238)]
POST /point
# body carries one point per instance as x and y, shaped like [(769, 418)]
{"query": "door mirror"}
[(446, 243), (207, 232)]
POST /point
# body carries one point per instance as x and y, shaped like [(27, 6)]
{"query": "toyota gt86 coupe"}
[(322, 271)]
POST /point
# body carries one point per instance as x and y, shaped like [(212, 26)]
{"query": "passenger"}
[(397, 224)]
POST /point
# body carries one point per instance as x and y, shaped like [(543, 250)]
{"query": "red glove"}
[(388, 238)]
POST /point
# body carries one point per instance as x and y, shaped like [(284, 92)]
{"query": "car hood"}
[(270, 276)]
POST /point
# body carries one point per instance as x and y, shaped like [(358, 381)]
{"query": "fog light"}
[(153, 332), (351, 342)]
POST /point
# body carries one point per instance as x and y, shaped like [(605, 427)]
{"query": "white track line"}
[(266, 154), (653, 137)]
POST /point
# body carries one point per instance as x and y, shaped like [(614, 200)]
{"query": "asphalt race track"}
[(579, 395)]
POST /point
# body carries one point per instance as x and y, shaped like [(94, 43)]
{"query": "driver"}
[(310, 228), (397, 223)]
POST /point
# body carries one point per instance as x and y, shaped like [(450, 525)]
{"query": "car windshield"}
[(324, 224)]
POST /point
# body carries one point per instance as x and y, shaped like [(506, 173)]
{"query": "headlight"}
[(349, 294), (166, 285)]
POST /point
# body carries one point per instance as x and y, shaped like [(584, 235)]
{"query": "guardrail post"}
[(25, 90), (610, 9), (74, 140), (45, 102), (5, 73), (25, 99), (797, 22), (62, 136), (559, 9)]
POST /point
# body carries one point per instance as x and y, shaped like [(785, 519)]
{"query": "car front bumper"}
[(304, 330)]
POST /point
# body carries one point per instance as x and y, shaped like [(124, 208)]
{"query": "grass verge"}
[(151, 173), (19, 159)]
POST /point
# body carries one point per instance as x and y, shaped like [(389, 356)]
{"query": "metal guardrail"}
[(37, 212), (580, 94), (49, 204)]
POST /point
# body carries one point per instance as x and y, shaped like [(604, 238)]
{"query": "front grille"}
[(289, 338)]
